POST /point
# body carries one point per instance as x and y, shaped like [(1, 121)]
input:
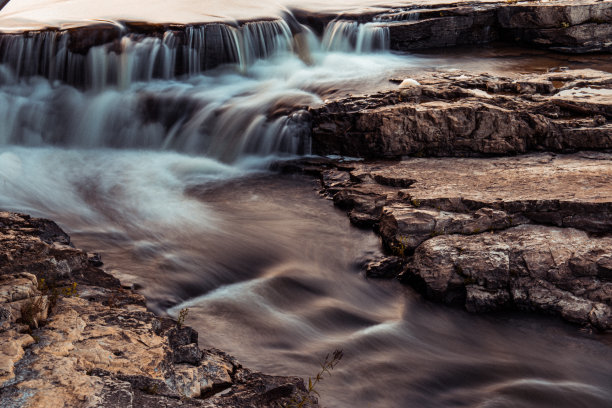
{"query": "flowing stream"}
[(147, 154)]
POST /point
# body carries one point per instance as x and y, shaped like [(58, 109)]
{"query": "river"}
[(167, 178)]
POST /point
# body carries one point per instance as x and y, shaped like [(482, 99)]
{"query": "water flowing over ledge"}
[(158, 52), (148, 89)]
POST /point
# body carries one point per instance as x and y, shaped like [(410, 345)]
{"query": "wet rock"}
[(95, 259), (386, 267)]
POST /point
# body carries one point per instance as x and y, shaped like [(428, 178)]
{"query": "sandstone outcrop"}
[(71, 336), (529, 233)]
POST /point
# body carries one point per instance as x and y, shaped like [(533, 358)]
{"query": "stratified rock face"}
[(531, 233), (71, 336), (569, 26), (465, 114)]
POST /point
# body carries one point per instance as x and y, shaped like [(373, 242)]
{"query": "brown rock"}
[(461, 119), (528, 267)]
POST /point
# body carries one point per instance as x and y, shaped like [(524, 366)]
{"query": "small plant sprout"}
[(400, 247), (180, 322), (331, 361), (70, 291)]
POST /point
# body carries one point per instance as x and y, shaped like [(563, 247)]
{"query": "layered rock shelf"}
[(71, 335), (528, 233), (468, 115), (463, 224)]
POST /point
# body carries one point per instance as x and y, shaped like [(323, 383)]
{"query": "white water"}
[(191, 51), (133, 97), (350, 35)]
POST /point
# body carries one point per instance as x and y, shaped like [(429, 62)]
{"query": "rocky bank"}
[(528, 233), (469, 114), (72, 336), (463, 224)]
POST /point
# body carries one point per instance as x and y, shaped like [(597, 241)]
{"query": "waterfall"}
[(133, 87), (135, 57), (346, 36), (402, 15), (225, 121), (40, 53)]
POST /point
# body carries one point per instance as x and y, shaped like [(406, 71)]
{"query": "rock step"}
[(470, 115)]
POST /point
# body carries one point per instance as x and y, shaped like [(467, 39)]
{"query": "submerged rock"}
[(71, 336)]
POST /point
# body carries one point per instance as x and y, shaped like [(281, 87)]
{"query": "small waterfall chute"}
[(352, 36), (135, 57)]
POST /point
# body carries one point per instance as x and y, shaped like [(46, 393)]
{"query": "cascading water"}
[(149, 148), (149, 92), (133, 57), (398, 15), (352, 36)]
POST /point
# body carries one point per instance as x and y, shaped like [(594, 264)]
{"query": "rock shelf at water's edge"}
[(528, 233)]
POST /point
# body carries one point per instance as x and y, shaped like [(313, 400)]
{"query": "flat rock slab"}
[(584, 177)]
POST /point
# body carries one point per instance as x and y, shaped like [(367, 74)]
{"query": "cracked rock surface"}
[(464, 114)]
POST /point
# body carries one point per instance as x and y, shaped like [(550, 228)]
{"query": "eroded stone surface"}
[(528, 267), (67, 342)]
